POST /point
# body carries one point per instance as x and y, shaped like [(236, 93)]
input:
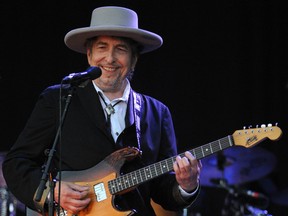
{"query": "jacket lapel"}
[(89, 99)]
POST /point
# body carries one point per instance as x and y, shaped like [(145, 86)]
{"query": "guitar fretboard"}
[(147, 173)]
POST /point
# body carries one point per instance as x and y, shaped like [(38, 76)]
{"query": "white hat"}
[(113, 21)]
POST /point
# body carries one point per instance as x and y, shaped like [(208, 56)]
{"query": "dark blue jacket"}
[(86, 142)]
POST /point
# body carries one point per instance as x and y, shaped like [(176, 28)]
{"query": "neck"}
[(113, 93)]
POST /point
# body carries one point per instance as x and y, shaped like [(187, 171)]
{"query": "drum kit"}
[(9, 205), (234, 167)]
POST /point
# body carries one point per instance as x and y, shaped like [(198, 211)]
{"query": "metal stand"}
[(239, 202), (47, 174), (7, 203)]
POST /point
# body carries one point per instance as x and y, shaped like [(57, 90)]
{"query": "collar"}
[(125, 95)]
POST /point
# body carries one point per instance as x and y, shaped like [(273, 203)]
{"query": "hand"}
[(187, 170), (73, 197)]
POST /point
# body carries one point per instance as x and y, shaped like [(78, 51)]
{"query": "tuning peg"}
[(263, 125)]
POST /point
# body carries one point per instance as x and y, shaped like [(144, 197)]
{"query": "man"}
[(108, 129)]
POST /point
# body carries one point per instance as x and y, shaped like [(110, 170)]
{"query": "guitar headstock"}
[(252, 136)]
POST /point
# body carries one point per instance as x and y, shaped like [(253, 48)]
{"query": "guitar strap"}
[(137, 116)]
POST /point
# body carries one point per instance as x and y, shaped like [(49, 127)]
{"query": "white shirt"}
[(117, 118)]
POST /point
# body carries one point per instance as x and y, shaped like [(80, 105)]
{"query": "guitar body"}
[(97, 178), (105, 204), (108, 169)]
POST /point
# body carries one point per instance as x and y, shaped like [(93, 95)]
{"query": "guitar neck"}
[(212, 147), (147, 173)]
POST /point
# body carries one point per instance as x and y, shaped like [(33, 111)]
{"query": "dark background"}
[(223, 66)]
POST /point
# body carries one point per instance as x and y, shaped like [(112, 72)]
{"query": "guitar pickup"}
[(100, 192)]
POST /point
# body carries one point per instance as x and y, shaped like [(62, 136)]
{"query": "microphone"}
[(252, 194), (91, 73), (253, 198), (244, 196)]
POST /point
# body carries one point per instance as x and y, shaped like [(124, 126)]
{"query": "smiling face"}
[(117, 59)]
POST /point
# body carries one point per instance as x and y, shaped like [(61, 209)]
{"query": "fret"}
[(126, 181), (231, 143), (220, 144), (170, 164), (111, 186), (164, 166), (198, 152), (202, 152), (155, 168), (148, 173), (159, 168), (120, 183), (211, 149), (137, 176), (133, 178), (207, 150), (115, 187), (129, 177), (141, 176), (217, 147), (143, 173), (193, 152)]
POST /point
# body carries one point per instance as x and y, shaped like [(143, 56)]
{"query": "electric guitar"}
[(105, 181)]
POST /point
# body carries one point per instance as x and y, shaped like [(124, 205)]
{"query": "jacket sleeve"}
[(165, 190), (23, 165)]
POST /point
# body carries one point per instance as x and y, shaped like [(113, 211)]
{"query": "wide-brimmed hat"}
[(113, 21)]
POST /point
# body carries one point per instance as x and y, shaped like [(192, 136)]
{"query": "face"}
[(114, 57)]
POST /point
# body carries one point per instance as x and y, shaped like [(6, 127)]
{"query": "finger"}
[(78, 187), (74, 205), (190, 156), (182, 162), (183, 165), (80, 203)]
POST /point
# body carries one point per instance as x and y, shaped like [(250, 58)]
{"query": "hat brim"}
[(75, 39)]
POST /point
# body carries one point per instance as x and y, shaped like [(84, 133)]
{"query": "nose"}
[(110, 57)]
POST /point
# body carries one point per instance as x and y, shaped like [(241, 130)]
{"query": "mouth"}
[(109, 69)]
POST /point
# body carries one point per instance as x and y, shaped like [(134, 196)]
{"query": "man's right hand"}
[(73, 197)]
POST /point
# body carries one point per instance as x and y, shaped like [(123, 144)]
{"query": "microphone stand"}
[(47, 170)]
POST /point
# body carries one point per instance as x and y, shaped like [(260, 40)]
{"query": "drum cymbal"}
[(3, 188), (237, 165), (2, 180)]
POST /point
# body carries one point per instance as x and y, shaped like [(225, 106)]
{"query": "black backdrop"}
[(223, 65)]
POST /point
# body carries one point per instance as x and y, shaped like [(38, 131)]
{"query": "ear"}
[(134, 62), (89, 56)]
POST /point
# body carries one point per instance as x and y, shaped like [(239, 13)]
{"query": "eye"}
[(122, 48), (101, 46)]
